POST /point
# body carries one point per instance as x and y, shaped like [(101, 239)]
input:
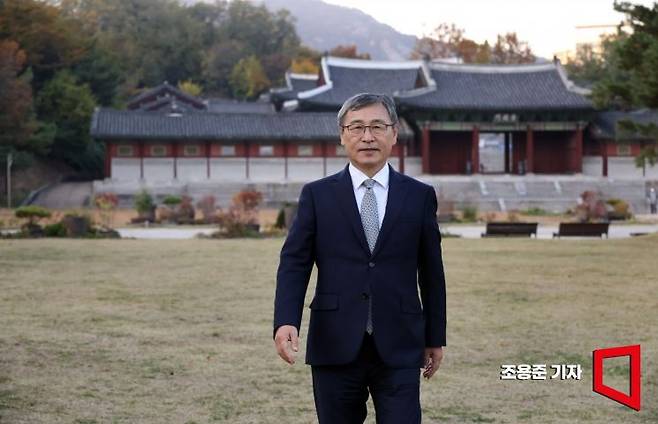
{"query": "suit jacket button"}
[(371, 264), (365, 296)]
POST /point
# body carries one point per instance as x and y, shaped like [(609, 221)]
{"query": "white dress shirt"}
[(380, 188)]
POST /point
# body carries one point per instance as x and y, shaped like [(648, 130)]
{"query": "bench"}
[(578, 229), (510, 229)]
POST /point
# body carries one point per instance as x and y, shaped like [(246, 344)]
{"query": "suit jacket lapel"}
[(345, 194), (396, 195)]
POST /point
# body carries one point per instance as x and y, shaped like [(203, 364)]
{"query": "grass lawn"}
[(129, 331)]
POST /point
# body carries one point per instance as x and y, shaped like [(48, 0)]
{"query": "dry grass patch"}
[(129, 331)]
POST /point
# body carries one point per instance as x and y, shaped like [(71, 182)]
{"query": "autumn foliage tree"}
[(510, 50), (248, 78), (348, 51), (17, 121), (447, 41)]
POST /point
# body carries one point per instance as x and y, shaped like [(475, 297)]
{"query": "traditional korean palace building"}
[(456, 119)]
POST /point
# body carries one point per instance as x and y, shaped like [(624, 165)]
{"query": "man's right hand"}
[(286, 341)]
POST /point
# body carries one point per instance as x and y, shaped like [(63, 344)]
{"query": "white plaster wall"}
[(191, 169), (395, 163), (305, 169), (336, 164), (158, 169), (624, 167), (125, 169), (229, 169), (413, 166), (618, 167), (266, 169), (593, 165)]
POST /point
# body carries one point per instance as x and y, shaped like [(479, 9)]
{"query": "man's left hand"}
[(433, 356)]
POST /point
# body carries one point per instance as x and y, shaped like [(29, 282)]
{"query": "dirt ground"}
[(138, 331)]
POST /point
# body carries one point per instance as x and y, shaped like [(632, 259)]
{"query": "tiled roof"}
[(219, 105), (497, 87), (294, 84), (115, 124), (347, 77), (605, 124), (164, 91)]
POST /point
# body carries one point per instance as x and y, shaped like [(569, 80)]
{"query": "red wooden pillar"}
[(141, 160), (285, 160), (207, 159), (324, 158), (246, 159), (175, 151), (401, 158), (578, 150), (530, 150), (108, 160), (604, 157), (425, 150), (475, 150)]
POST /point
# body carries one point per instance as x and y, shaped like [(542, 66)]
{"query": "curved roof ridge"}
[(371, 64), (489, 68)]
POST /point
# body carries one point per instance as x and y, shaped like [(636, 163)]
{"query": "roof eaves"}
[(570, 85), (415, 92), (315, 91)]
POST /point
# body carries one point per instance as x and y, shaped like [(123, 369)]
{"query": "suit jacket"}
[(407, 257)]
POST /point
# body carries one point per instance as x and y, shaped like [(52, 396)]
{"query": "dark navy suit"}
[(406, 261)]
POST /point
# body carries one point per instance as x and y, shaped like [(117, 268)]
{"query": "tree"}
[(68, 106), (17, 122), (50, 40), (101, 70), (306, 61), (587, 67), (190, 88), (509, 50), (348, 51), (441, 43), (448, 42), (630, 78), (304, 66), (248, 79), (218, 64)]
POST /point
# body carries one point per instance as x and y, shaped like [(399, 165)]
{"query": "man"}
[(373, 235)]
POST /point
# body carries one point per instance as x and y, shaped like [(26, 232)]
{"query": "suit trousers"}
[(341, 391)]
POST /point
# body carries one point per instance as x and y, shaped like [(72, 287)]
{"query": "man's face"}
[(368, 151)]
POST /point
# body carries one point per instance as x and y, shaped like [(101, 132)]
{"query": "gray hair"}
[(362, 100)]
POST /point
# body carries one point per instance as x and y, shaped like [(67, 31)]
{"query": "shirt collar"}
[(358, 177)]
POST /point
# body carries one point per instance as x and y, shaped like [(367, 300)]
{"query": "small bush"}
[(591, 207), (32, 213), (143, 202), (54, 230), (172, 200), (620, 209), (280, 219), (241, 218), (208, 208), (469, 213), (106, 204), (535, 211)]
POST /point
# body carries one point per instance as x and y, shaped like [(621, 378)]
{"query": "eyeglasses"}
[(360, 129)]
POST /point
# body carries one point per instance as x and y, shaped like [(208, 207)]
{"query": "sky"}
[(549, 26)]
